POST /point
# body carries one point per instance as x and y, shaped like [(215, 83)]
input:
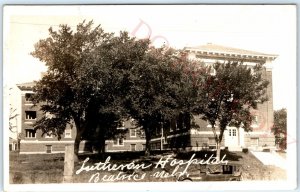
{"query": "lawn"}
[(48, 168)]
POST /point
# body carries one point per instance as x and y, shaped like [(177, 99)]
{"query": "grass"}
[(48, 168)]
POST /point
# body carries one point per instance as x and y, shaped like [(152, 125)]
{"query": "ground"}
[(48, 168)]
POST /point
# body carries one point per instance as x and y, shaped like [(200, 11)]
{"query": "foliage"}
[(156, 93), (66, 55), (227, 97), (280, 127), (87, 79)]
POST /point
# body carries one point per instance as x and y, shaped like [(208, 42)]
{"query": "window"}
[(48, 148), (115, 141), (133, 147), (173, 125), (254, 141), (121, 141), (28, 97), (29, 115), (68, 133), (132, 132), (255, 120), (234, 132), (30, 133), (118, 142)]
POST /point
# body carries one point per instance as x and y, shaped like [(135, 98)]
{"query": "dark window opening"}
[(29, 97), (30, 115), (30, 133)]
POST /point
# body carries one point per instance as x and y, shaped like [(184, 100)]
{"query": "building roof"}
[(214, 49), (26, 86)]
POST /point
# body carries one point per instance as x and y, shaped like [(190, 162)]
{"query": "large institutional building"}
[(178, 136)]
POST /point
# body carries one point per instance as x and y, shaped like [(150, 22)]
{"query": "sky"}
[(268, 29)]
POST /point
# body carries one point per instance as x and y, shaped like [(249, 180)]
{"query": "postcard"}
[(149, 97)]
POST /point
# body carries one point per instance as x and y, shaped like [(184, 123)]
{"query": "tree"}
[(87, 77), (13, 117), (280, 127), (227, 97), (121, 54), (65, 92), (154, 96)]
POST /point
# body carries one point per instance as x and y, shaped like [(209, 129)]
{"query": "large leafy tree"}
[(87, 75), (156, 82), (67, 91), (280, 127), (119, 56), (228, 96)]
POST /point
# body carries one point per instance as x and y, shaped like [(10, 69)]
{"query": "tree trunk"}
[(219, 140), (76, 146), (79, 131), (218, 157), (101, 144), (148, 138)]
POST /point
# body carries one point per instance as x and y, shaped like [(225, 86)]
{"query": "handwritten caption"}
[(136, 171)]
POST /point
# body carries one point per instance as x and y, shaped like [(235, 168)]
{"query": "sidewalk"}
[(270, 158)]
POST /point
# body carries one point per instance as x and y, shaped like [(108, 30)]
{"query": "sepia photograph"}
[(100, 97)]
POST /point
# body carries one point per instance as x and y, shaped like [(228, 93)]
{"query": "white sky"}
[(267, 29)]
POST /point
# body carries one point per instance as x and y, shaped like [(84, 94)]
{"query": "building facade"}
[(34, 141), (200, 136), (132, 140)]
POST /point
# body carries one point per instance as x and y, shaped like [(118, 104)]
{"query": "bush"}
[(245, 150)]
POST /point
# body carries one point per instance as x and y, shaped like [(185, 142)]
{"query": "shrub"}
[(245, 150)]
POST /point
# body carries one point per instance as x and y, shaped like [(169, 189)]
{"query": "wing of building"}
[(34, 141), (200, 135)]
